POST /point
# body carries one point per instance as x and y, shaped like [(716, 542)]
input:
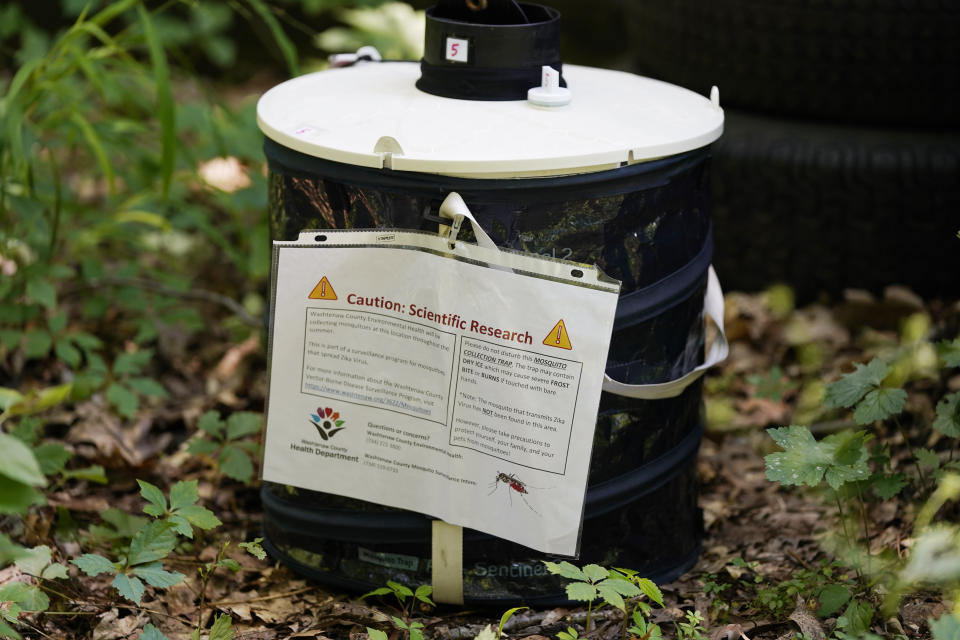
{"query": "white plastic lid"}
[(372, 115)]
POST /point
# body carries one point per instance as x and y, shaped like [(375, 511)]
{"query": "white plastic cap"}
[(549, 93)]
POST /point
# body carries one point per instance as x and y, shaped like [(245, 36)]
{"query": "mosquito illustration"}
[(514, 485)]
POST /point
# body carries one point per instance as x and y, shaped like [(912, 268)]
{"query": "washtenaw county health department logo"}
[(327, 422)]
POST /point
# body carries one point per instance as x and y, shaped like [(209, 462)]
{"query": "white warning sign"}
[(425, 381)]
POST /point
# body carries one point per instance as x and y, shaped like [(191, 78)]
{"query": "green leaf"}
[(51, 457), (611, 596), (10, 338), (379, 591), (27, 430), (887, 486), (947, 627), (183, 494), (181, 525), (849, 389), (581, 591), (255, 549), (86, 341), (125, 401), (947, 421), (423, 594), (9, 398), (93, 564), (623, 587), (131, 363), (594, 572), (879, 404), (123, 525), (376, 634), (801, 462), (37, 343), (243, 423), (566, 570), (54, 571), (927, 458), (65, 350), (506, 616), (650, 589), (150, 632), (200, 516), (58, 322), (230, 564), (202, 446), (402, 591), (856, 618), (42, 400), (96, 148), (839, 458), (34, 560), (949, 352), (165, 104), (42, 292), (50, 397), (153, 495), (152, 542), (841, 472), (831, 598), (235, 463), (27, 596), (130, 588), (222, 628), (16, 497), (94, 473), (147, 386), (9, 551), (211, 423), (155, 576), (287, 47), (6, 631), (17, 462)]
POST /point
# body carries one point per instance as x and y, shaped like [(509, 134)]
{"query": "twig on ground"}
[(274, 596)]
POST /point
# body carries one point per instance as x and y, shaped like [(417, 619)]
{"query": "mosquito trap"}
[(574, 163)]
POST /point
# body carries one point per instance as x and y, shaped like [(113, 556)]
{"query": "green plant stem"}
[(205, 574), (589, 612), (34, 628), (863, 519), (57, 206), (846, 532), (906, 441)]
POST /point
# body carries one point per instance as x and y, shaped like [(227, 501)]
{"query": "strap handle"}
[(454, 208), (713, 307)]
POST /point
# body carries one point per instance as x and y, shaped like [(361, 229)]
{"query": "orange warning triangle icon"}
[(323, 291), (558, 337)]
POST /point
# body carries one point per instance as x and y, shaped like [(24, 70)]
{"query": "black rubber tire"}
[(828, 207), (863, 61)]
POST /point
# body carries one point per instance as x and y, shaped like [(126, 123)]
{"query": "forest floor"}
[(763, 544)]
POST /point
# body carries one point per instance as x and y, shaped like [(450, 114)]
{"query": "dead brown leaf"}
[(114, 627), (117, 445)]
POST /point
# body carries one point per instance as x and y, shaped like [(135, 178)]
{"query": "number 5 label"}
[(457, 49)]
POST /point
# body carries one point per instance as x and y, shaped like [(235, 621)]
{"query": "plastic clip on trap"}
[(617, 176)]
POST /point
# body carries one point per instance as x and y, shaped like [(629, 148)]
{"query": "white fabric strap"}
[(712, 307), (455, 208)]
